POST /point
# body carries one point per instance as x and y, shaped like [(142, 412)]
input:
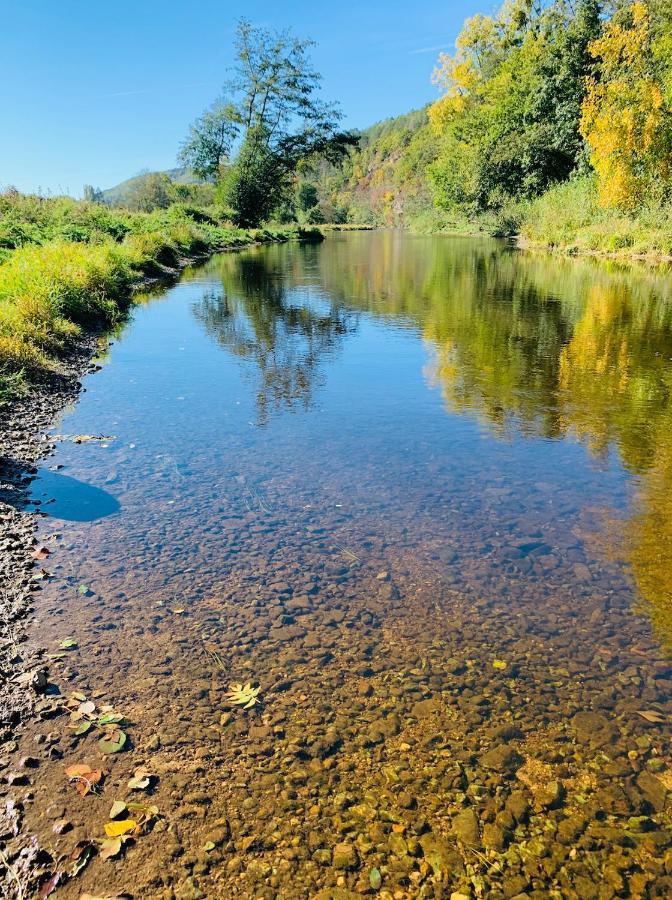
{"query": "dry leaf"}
[(243, 695), (84, 777), (118, 807), (651, 715), (116, 829), (110, 847)]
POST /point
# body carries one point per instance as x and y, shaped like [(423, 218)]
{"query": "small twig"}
[(12, 872)]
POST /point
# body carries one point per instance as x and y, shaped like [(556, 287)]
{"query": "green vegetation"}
[(268, 124), (555, 121), (67, 265)]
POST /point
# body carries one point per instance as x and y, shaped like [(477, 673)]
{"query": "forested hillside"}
[(555, 119)]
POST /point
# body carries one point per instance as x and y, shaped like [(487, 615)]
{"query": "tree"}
[(93, 195), (150, 191), (273, 117), (626, 119), (509, 117), (208, 145)]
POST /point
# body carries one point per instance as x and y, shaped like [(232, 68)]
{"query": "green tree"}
[(207, 148), (92, 194), (509, 117), (150, 191), (273, 116)]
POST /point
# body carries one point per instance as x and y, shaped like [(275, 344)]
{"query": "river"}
[(417, 491)]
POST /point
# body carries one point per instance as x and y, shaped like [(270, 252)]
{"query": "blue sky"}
[(93, 92)]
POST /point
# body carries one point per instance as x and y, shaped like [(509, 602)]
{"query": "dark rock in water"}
[(424, 708), (518, 805), (653, 791), (570, 829), (592, 728), (550, 795), (501, 759), (465, 827), (441, 856), (494, 837)]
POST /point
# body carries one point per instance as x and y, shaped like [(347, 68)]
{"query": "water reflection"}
[(287, 333), (527, 345), (63, 497)]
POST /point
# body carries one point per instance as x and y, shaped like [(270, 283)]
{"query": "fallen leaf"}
[(243, 695), (49, 886), (84, 778), (110, 718), (110, 847), (118, 807), (69, 644), (208, 846), (83, 728), (498, 664), (82, 854), (112, 743), (41, 553), (86, 438), (651, 715), (141, 780), (85, 590), (143, 808), (116, 829)]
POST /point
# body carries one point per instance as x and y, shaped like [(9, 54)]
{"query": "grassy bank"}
[(66, 267), (569, 218)]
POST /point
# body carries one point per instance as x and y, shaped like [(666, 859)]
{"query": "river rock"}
[(592, 728), (465, 827), (344, 856), (501, 758)]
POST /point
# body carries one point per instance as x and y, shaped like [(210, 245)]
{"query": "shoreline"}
[(573, 252), (24, 423)]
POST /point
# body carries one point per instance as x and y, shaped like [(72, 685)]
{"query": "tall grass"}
[(66, 266), (570, 218)]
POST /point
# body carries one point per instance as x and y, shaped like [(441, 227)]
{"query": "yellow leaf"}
[(114, 829)]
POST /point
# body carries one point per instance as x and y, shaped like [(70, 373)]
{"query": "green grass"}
[(68, 266), (569, 218)]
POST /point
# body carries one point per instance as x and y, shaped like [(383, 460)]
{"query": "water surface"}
[(417, 489)]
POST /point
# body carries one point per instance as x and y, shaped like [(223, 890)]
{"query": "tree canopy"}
[(268, 123)]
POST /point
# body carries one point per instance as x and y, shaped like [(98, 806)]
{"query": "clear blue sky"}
[(93, 92)]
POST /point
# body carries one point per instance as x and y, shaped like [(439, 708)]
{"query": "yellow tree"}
[(625, 118)]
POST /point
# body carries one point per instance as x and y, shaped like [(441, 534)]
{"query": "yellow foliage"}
[(624, 117)]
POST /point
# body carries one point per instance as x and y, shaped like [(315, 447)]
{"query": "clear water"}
[(418, 490)]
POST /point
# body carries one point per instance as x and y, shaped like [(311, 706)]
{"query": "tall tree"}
[(274, 119), (627, 117)]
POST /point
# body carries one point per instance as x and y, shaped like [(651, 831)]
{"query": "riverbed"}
[(411, 494)]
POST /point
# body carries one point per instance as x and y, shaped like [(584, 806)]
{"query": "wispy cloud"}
[(428, 49), (129, 93), (135, 93)]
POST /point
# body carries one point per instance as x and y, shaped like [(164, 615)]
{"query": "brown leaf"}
[(49, 886), (41, 553), (651, 715), (83, 777)]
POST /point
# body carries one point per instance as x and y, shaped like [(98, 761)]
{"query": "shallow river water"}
[(416, 490)]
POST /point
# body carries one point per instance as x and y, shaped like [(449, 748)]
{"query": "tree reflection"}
[(547, 347), (287, 330), (528, 345)]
